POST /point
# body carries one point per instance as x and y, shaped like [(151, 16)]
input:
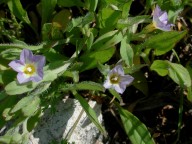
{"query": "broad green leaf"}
[(85, 85), (16, 8), (5, 139), (91, 59), (163, 42), (16, 138), (31, 108), (22, 103), (107, 40), (104, 69), (160, 66), (11, 53), (62, 18), (176, 72), (51, 32), (19, 45), (89, 111), (179, 74), (126, 52), (33, 121), (6, 114), (134, 68), (53, 70), (107, 18), (47, 9), (7, 76), (14, 88), (134, 128), (130, 21), (126, 8), (93, 5), (74, 23)]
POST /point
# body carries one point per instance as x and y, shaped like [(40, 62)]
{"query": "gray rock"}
[(57, 126)]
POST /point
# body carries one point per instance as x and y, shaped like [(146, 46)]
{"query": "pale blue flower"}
[(160, 19), (117, 80), (29, 67)]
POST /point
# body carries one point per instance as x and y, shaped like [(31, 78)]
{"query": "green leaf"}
[(160, 66), (85, 85), (33, 121), (126, 8), (89, 85), (21, 45), (51, 32), (134, 128), (107, 18), (13, 88), (61, 19), (5, 139), (31, 108), (126, 52), (89, 111), (54, 69), (176, 72), (22, 103), (91, 59), (163, 42), (16, 8), (107, 40), (47, 9), (10, 54), (179, 74), (93, 5), (130, 21)]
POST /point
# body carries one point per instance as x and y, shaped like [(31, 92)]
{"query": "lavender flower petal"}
[(117, 80), (17, 65), (160, 19), (26, 56), (39, 60), (126, 79), (119, 89), (22, 78), (29, 67), (36, 78), (107, 84)]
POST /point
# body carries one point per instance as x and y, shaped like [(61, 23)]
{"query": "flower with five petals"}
[(117, 80), (160, 19), (29, 67)]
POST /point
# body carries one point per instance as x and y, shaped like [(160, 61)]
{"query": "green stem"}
[(74, 126), (180, 114)]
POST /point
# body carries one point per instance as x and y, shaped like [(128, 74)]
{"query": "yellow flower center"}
[(114, 78), (29, 69)]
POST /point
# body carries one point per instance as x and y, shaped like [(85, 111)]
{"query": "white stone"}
[(55, 126)]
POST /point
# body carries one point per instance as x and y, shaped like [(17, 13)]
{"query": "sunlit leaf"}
[(164, 42), (134, 128), (16, 8), (47, 9), (89, 111), (91, 59), (126, 52)]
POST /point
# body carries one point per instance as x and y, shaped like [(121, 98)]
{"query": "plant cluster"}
[(122, 53)]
